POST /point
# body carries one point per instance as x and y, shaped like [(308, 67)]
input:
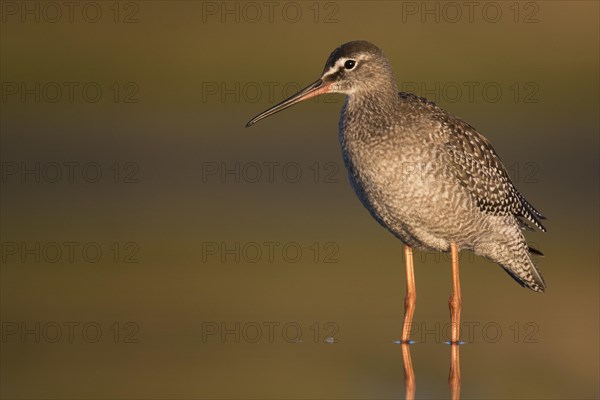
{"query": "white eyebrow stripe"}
[(331, 71), (339, 64)]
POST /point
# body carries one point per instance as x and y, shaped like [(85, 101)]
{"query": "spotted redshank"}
[(425, 175)]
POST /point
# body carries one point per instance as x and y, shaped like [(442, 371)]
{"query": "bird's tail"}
[(523, 270)]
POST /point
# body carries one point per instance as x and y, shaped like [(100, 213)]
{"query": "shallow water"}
[(153, 247)]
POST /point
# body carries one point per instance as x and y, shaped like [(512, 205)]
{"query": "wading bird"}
[(425, 175)]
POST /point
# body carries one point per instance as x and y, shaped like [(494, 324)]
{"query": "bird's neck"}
[(372, 111)]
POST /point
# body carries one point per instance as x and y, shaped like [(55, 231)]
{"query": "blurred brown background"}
[(122, 203)]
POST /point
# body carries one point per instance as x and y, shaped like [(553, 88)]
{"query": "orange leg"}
[(455, 299), (409, 373), (410, 300), (454, 378)]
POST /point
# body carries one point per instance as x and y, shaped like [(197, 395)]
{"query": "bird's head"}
[(354, 68)]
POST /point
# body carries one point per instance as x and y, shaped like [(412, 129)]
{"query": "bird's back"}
[(476, 164)]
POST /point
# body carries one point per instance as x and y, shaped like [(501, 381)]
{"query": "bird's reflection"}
[(453, 379), (409, 373)]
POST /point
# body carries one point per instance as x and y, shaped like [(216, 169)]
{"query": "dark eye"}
[(349, 64)]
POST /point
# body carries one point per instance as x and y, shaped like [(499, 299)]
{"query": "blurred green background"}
[(154, 95)]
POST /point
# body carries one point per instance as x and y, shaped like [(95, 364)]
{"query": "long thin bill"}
[(312, 90)]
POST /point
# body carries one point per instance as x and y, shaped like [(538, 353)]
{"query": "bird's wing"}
[(480, 170)]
